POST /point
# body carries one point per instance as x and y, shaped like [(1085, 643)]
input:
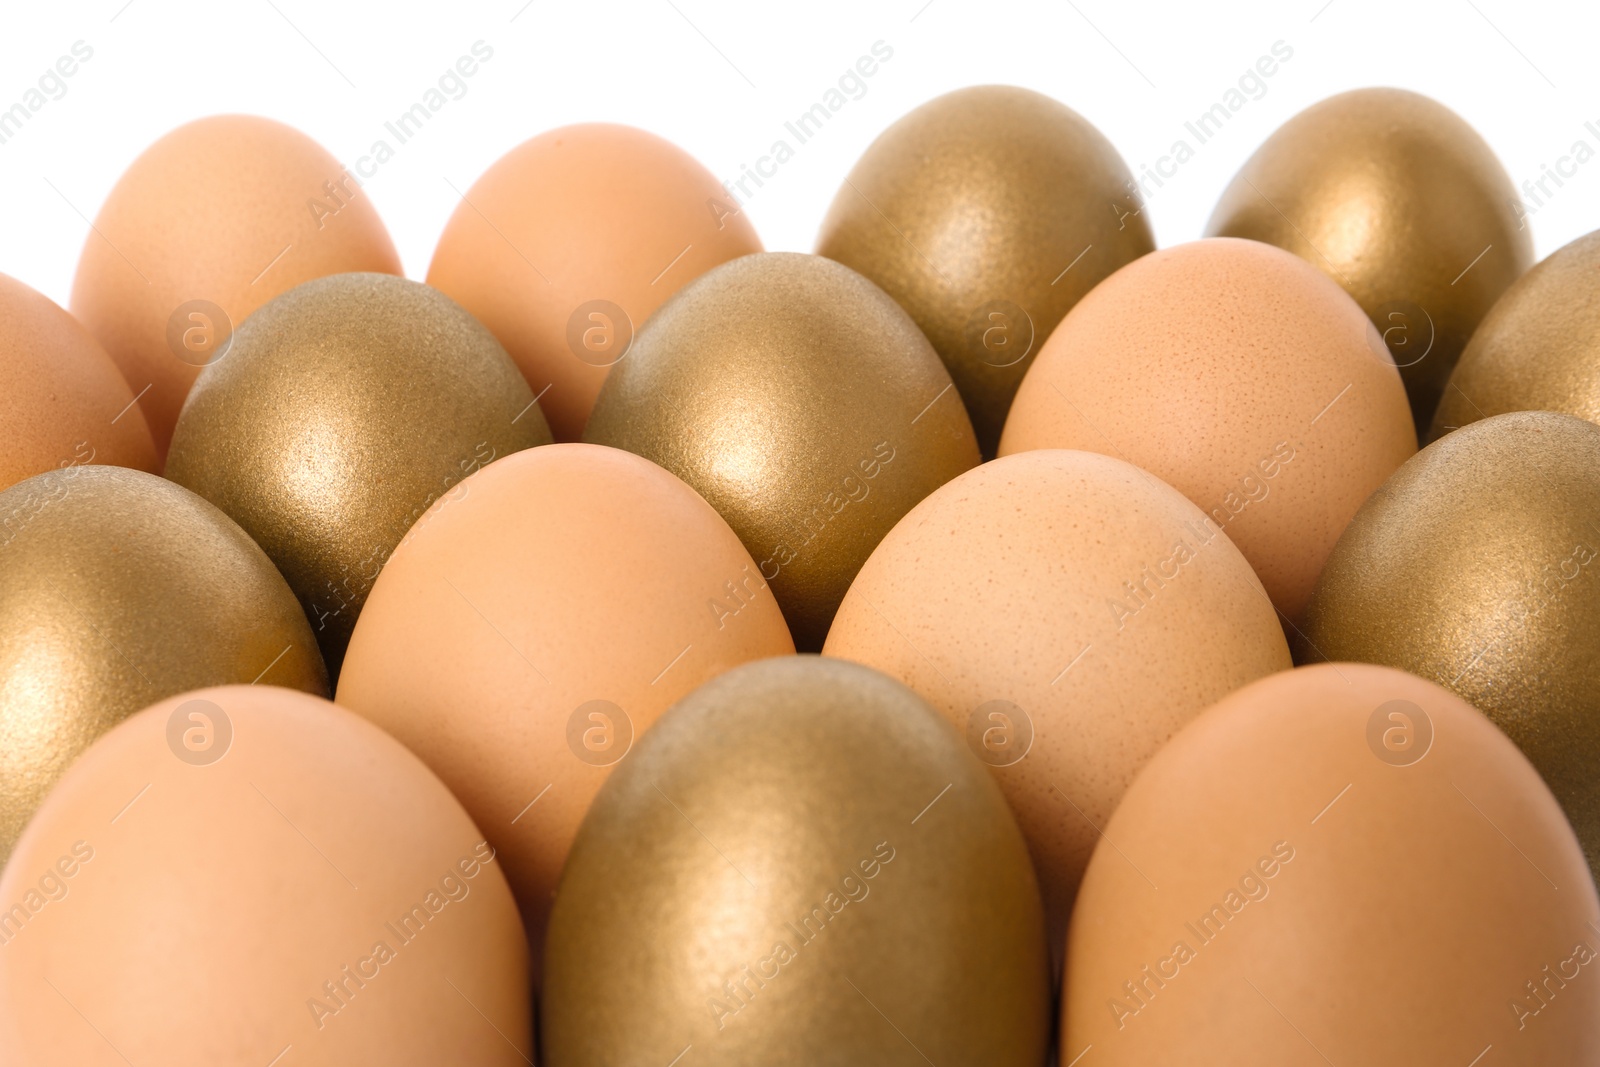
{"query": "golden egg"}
[(341, 412), (804, 404), (1068, 613), (119, 589), (250, 875), (1401, 202), (571, 240), (1538, 349), (800, 863), (987, 213), (535, 622), (209, 223), (1341, 864), (63, 403), (1477, 565)]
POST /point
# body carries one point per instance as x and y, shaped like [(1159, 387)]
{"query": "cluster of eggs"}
[(1060, 511)]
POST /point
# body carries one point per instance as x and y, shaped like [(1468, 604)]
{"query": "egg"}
[(804, 405), (1068, 613), (345, 408), (1241, 376), (1478, 566), (800, 863), (535, 622), (249, 874), (568, 243), (1341, 864), (210, 222), (1539, 347), (118, 589), (988, 213), (1400, 201)]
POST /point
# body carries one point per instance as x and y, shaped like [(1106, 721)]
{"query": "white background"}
[(720, 78)]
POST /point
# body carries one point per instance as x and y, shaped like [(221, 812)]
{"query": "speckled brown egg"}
[(63, 403), (570, 240), (535, 622), (1341, 864), (209, 223), (249, 875), (1242, 376), (1068, 612)]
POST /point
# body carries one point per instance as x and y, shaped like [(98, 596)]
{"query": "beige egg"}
[(1068, 612), (209, 223), (539, 618), (1242, 376), (568, 243), (63, 403), (1341, 864), (250, 875)]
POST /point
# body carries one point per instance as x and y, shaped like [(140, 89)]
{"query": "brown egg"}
[(1241, 376), (63, 402), (1340, 864), (209, 223), (1068, 612), (249, 875), (1402, 203), (571, 240), (118, 589), (346, 407), (535, 622), (804, 404), (801, 864), (988, 213), (1478, 566), (1538, 349)]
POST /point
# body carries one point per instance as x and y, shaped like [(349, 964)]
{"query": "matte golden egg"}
[(800, 863), (119, 589), (1400, 201), (987, 213), (1538, 349), (1477, 565), (804, 405), (342, 410)]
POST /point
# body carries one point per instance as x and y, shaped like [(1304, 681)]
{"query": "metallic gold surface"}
[(1538, 349), (804, 404), (987, 213), (1401, 202), (1477, 565), (119, 589), (800, 863), (343, 409)]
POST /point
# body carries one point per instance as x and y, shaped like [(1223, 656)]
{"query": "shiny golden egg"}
[(342, 410), (1400, 201), (119, 589), (1477, 566), (804, 404), (987, 213), (800, 863)]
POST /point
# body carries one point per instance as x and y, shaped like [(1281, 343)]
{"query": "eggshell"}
[(1245, 378), (1339, 864), (568, 243), (539, 618), (250, 875), (209, 223), (1068, 612), (62, 401)]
